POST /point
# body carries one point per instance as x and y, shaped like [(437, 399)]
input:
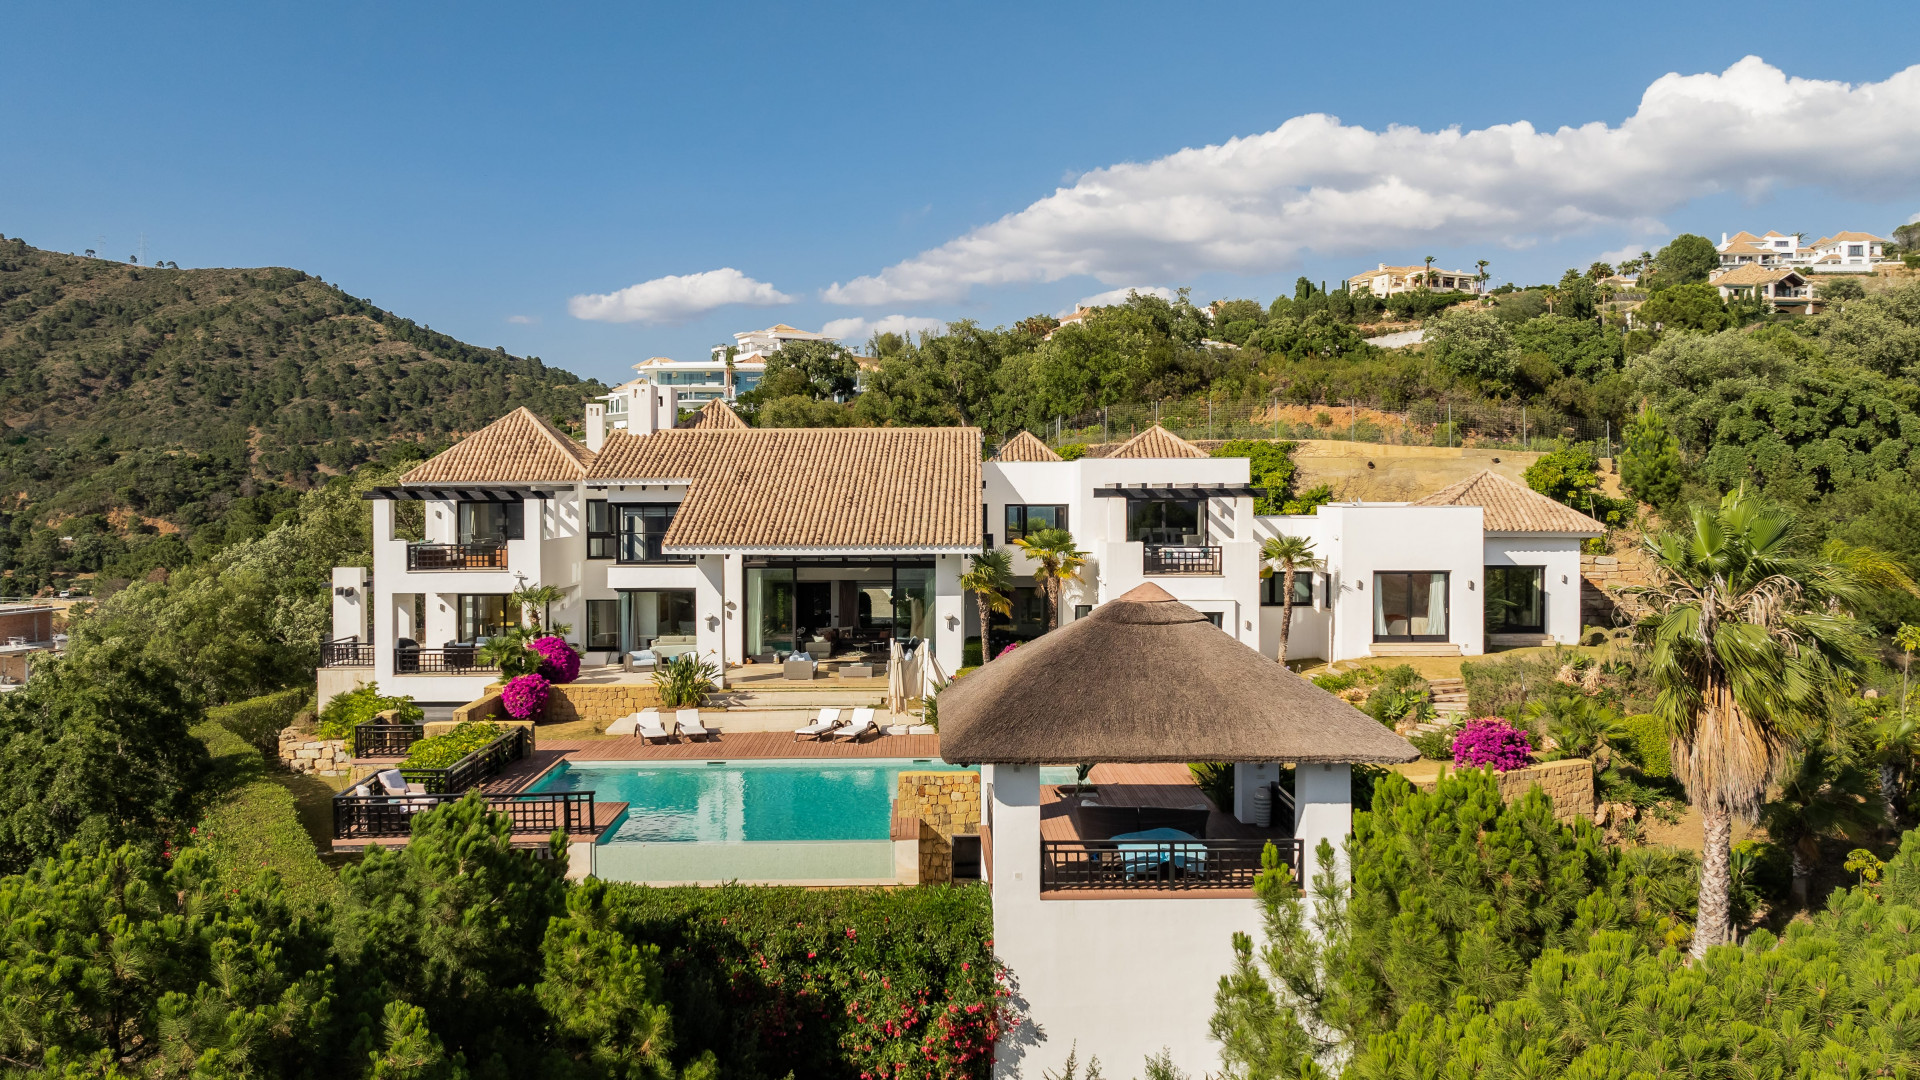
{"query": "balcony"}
[(482, 555), (1168, 559), (1226, 863), (346, 652), (455, 660)]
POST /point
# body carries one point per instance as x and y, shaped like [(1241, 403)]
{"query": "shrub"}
[(524, 696), (1071, 451), (359, 705), (1215, 779), (1647, 745), (1491, 742), (685, 682), (260, 720), (440, 751), (1401, 691), (1433, 745), (822, 982), (558, 662), (254, 824)]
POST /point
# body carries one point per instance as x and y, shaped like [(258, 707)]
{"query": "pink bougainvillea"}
[(1491, 742), (1007, 650), (524, 696), (558, 662)]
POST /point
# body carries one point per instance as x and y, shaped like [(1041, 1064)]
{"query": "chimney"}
[(596, 425), (669, 407), (1723, 239)]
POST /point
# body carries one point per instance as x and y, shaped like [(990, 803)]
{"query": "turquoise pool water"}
[(744, 820)]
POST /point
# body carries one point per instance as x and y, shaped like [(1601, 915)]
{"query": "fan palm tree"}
[(1752, 641), (540, 597), (1893, 742), (1481, 277), (1058, 559), (989, 578), (1581, 727), (1819, 795), (1427, 279), (1288, 555)]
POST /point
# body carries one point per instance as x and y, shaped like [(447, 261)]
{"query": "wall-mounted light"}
[(1563, 579), (343, 590), (1469, 585)]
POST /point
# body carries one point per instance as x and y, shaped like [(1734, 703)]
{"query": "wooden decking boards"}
[(604, 815)]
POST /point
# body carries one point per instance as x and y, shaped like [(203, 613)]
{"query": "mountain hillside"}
[(152, 399)]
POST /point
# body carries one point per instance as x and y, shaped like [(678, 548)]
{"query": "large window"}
[(770, 613), (1027, 620), (863, 602), (662, 620), (603, 624), (1271, 587), (1167, 521), (602, 537), (482, 615), (1516, 600), (1410, 606), (1022, 520), (643, 528), (491, 522)]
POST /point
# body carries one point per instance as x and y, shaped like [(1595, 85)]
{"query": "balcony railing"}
[(458, 660), (485, 555), (373, 739), (367, 816), (1180, 559), (480, 765), (637, 547), (346, 652), (1158, 864)]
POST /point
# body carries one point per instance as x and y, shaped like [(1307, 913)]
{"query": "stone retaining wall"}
[(948, 801), (1568, 783), (325, 757), (598, 703), (1601, 579)]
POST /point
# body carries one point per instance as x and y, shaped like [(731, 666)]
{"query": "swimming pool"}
[(776, 820)]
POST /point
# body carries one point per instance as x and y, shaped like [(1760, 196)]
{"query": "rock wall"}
[(597, 703), (1601, 579), (325, 757), (933, 807), (1568, 783)]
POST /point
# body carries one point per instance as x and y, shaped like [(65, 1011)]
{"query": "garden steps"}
[(1449, 697)]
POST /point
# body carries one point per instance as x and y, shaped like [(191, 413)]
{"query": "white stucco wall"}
[(1560, 556)]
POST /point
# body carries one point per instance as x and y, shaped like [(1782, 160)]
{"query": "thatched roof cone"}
[(1145, 678)]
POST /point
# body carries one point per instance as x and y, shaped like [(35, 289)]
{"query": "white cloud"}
[(1118, 296), (1257, 203), (676, 297), (856, 331), (523, 320)]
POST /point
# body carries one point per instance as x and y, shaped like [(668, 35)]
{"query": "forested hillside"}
[(205, 400)]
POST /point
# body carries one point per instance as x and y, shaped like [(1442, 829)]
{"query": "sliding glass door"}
[(1410, 606), (1516, 598)]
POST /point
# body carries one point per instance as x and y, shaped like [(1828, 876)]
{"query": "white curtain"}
[(1436, 621)]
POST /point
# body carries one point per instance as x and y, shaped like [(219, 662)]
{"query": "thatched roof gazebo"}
[(1145, 678)]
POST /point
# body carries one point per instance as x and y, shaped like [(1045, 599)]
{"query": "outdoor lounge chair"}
[(859, 727), (395, 784), (649, 727), (688, 721), (821, 728)]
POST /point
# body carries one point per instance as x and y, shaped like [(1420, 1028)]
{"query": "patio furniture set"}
[(826, 726), (649, 725)]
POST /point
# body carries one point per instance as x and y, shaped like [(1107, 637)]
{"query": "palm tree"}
[(989, 578), (1907, 637), (1427, 279), (1288, 554), (1481, 277), (1893, 742), (1058, 560), (1819, 795), (543, 597), (1751, 643)]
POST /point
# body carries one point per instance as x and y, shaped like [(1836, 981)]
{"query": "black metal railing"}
[(373, 739), (642, 547), (346, 652), (1158, 864), (1180, 559), (485, 555), (458, 660), (483, 763), (367, 816)]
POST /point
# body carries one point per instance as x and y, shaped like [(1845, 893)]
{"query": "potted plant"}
[(685, 682)]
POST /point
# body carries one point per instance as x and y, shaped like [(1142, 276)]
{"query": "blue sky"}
[(476, 167)]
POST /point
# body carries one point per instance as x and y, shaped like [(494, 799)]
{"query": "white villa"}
[(1841, 253), (1386, 280)]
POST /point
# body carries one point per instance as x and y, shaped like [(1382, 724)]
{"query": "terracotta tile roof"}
[(1511, 507), (1157, 442), (1853, 238), (762, 488), (1754, 274), (715, 415), (1741, 237), (517, 448), (1025, 447)]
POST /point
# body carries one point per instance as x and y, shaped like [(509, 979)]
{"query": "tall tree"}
[(1650, 461), (1820, 794), (1752, 641), (1058, 560), (1689, 259), (989, 578), (1426, 278), (1289, 555), (1481, 277)]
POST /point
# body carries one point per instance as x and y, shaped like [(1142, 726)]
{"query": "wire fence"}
[(1422, 423)]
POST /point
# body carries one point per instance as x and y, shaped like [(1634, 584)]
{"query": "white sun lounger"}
[(396, 784), (861, 725), (688, 721), (649, 727), (820, 728)]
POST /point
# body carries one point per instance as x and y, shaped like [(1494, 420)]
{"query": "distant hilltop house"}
[(696, 382), (1841, 253), (1782, 288), (1387, 280)]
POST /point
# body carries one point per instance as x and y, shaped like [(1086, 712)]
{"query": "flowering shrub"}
[(1491, 742), (880, 984), (558, 662), (1007, 650), (524, 696)]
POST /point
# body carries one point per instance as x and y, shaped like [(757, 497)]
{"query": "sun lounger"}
[(688, 721), (395, 784), (821, 728), (649, 727), (859, 727)]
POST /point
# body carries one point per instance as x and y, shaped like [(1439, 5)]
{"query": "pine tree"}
[(1650, 462)]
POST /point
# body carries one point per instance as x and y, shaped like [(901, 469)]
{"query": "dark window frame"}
[(1016, 515), (1446, 609), (609, 617), (650, 539), (603, 542), (1302, 580), (513, 524), (1539, 574)]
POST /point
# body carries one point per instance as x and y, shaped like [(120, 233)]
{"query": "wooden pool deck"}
[(740, 746)]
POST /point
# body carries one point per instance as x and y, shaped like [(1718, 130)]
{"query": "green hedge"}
[(440, 751), (260, 720), (251, 824), (1647, 745), (359, 705), (824, 982)]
